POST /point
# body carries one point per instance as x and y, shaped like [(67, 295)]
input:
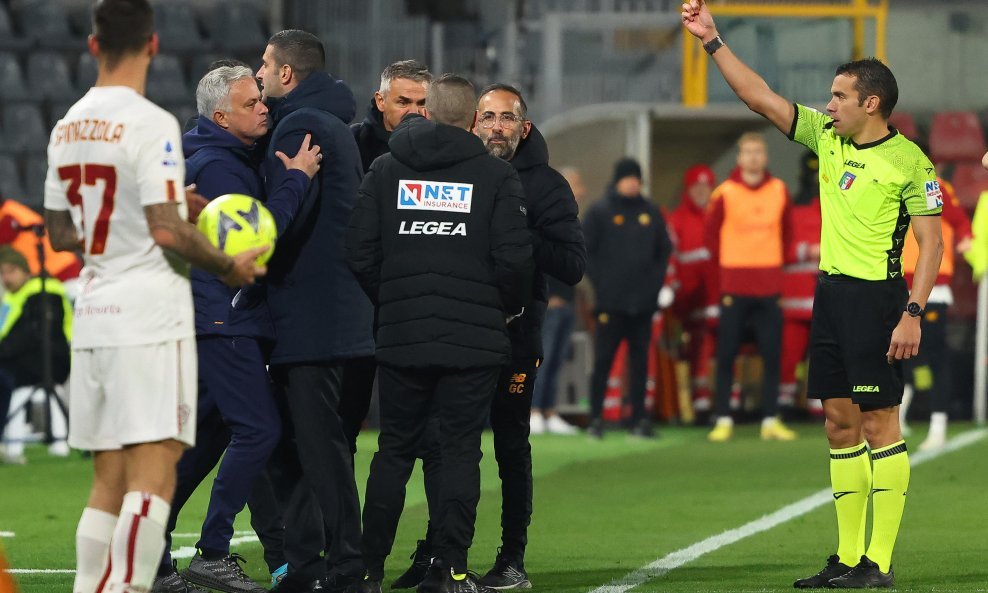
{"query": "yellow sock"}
[(850, 478), (888, 498)]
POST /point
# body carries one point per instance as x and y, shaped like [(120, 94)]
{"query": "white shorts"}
[(133, 394)]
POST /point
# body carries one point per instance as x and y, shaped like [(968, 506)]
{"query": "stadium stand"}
[(236, 27), (49, 77), (905, 123), (46, 23), (34, 181), (12, 87), (176, 24), (8, 37), (10, 179), (85, 75), (24, 129), (956, 136), (969, 180), (166, 81)]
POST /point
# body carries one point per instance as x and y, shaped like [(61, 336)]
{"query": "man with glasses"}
[(558, 248)]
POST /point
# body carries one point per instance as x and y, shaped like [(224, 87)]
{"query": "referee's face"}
[(846, 107)]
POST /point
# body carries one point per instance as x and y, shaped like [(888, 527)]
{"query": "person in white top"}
[(115, 191)]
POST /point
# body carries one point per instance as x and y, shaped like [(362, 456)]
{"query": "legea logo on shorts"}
[(865, 389), (434, 195)]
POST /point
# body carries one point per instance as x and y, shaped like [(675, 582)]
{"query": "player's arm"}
[(906, 336), (170, 232), (61, 231), (745, 82)]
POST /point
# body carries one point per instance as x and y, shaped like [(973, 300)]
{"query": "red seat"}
[(905, 123), (969, 180), (956, 136)]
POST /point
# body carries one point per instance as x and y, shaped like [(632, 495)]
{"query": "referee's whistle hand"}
[(905, 339)]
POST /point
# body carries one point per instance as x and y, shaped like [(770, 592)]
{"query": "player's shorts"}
[(849, 338), (133, 394)]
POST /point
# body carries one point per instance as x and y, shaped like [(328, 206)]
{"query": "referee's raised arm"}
[(745, 82)]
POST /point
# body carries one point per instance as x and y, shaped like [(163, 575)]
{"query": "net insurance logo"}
[(435, 195)]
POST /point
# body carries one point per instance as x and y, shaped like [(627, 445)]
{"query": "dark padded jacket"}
[(319, 310), (557, 238), (439, 241)]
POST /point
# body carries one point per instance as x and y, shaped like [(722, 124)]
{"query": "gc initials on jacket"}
[(747, 232)]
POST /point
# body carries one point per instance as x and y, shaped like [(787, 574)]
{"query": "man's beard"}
[(504, 151)]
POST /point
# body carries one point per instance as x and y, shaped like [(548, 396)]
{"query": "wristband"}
[(713, 45)]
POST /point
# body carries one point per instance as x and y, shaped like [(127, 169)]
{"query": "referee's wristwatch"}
[(914, 310)]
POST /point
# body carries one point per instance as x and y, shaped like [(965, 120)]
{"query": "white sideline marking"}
[(7, 534), (713, 543), (190, 551), (197, 534), (41, 571)]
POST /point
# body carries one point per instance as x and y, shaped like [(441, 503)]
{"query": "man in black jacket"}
[(559, 251), (322, 319), (403, 88), (629, 249), (438, 240)]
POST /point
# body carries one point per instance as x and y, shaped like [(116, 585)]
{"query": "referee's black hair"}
[(873, 78), (301, 50)]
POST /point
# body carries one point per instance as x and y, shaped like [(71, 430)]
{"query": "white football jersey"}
[(113, 153)]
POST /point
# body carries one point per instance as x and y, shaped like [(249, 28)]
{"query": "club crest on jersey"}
[(169, 159), (847, 180), (435, 195), (934, 197)]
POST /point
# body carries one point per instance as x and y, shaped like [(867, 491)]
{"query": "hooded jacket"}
[(319, 310), (557, 238), (628, 248), (372, 138), (439, 241), (219, 164)]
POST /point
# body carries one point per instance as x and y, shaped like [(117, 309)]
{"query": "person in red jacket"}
[(694, 281), (799, 278), (747, 233), (929, 372)]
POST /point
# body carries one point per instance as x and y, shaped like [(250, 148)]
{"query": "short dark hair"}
[(500, 86), (873, 78), (451, 100), (299, 49), (122, 27)]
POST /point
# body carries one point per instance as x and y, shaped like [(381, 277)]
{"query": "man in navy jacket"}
[(322, 318), (235, 405)]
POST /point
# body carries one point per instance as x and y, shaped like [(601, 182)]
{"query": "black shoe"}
[(433, 580), (421, 560), (596, 429), (292, 583), (338, 583), (643, 430), (506, 574), (466, 583), (173, 583), (820, 580), (224, 574), (866, 575)]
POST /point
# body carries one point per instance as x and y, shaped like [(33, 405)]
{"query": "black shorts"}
[(851, 331)]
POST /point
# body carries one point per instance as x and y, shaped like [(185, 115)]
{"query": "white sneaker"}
[(933, 441), (59, 449), (556, 425), (536, 423)]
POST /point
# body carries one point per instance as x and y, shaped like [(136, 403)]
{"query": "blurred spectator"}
[(22, 312), (799, 279), (693, 285), (928, 372), (557, 333), (17, 228), (747, 234), (628, 249)]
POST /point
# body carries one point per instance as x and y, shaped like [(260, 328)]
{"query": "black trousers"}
[(933, 355), (763, 317), (612, 329), (313, 392), (510, 421), (462, 400)]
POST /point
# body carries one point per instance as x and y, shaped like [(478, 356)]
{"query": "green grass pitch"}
[(605, 509)]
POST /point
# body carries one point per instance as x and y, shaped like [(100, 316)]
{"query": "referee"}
[(873, 183)]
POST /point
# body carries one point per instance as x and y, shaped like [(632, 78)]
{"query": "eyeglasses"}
[(489, 120)]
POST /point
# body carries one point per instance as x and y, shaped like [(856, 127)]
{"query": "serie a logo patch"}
[(847, 180), (435, 195)]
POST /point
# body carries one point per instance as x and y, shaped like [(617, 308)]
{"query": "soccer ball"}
[(236, 223)]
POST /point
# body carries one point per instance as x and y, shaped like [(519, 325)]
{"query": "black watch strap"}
[(713, 45), (914, 310)]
